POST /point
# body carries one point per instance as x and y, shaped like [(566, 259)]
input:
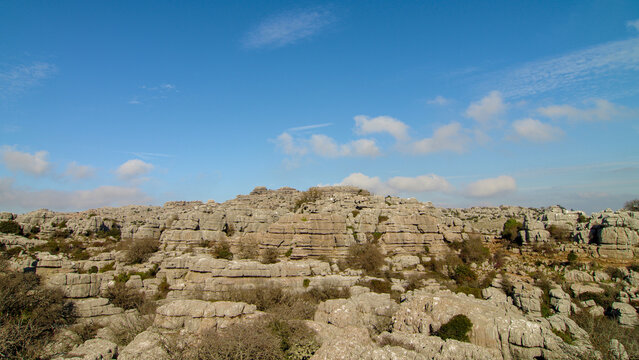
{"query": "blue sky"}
[(460, 102)]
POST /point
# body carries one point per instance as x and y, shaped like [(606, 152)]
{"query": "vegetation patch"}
[(366, 257), (29, 314), (140, 250), (456, 328), (222, 250), (10, 227), (564, 335), (511, 230), (309, 196)]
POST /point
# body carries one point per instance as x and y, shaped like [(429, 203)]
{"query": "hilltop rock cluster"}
[(150, 282)]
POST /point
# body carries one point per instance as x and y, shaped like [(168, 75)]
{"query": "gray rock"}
[(627, 314), (95, 349)]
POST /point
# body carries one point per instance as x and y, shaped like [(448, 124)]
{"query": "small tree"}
[(140, 250), (511, 231), (632, 205)]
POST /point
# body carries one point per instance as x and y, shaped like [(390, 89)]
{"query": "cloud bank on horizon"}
[(295, 96)]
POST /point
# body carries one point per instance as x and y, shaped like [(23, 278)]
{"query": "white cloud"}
[(491, 187), (364, 147), (18, 79), (603, 110), (445, 138), (535, 130), (326, 146), (438, 100), (15, 198), (289, 146), (381, 124), (398, 184), (288, 27), (133, 169), (633, 24), (373, 184), (78, 171), (488, 109), (420, 183), (33, 164)]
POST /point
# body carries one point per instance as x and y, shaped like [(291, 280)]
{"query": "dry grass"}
[(602, 329), (29, 314)]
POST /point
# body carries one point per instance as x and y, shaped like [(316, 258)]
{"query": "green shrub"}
[(604, 299), (583, 219), (614, 272), (222, 250), (456, 328), (140, 250), (106, 232), (289, 252), (511, 230), (560, 233), (376, 236), (163, 289), (382, 218), (355, 213), (564, 335), (376, 285), (572, 257), (469, 290), (93, 269), (29, 314), (473, 250), (306, 283), (464, 275), (108, 267), (10, 227), (366, 257)]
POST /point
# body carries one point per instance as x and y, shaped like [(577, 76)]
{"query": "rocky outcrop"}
[(197, 315), (369, 310), (494, 327)]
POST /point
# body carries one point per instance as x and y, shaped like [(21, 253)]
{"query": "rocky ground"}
[(329, 273)]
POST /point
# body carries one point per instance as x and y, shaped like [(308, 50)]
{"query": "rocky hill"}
[(362, 276)]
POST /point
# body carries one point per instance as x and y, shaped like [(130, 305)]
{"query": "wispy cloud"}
[(17, 79), (149, 155), (602, 110), (438, 100), (633, 24), (488, 109), (289, 27), (308, 127), (79, 172), (571, 71)]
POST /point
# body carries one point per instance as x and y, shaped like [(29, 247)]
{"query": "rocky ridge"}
[(310, 235)]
